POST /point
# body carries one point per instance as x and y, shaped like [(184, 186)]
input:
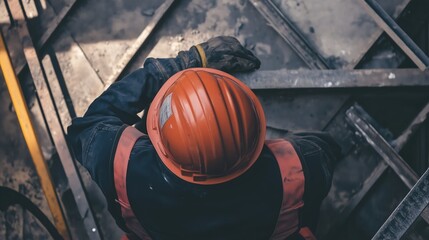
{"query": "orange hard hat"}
[(206, 126)]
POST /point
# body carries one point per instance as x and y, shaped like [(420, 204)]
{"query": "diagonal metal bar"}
[(406, 212), (398, 35), (54, 23), (132, 50), (380, 168), (53, 122), (287, 30), (354, 115), (381, 146), (412, 128)]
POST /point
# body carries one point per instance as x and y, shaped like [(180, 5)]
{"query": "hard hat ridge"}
[(206, 126)]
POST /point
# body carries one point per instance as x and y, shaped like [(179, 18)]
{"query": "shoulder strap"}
[(306, 233), (293, 187), (120, 165)]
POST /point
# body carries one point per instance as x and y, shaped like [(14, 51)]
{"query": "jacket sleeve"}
[(93, 137)]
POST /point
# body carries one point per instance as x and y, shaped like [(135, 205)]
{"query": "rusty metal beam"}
[(366, 78), (53, 122), (378, 170), (141, 39), (355, 116), (381, 146), (287, 30), (388, 24), (407, 211)]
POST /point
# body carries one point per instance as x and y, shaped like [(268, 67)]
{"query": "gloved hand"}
[(227, 54)]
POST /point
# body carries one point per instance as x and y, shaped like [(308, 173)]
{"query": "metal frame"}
[(355, 115), (54, 123), (284, 26), (50, 30), (132, 50), (328, 79), (415, 202), (54, 23), (395, 32), (31, 138), (407, 211), (397, 144)]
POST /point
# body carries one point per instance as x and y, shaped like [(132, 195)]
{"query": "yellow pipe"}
[(30, 137)]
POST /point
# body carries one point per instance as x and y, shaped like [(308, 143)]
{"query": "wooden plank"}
[(132, 50), (304, 79), (290, 34), (54, 125)]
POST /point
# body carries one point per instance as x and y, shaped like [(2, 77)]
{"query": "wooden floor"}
[(86, 45)]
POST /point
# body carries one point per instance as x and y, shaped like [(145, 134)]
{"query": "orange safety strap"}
[(120, 165), (306, 233), (293, 187)]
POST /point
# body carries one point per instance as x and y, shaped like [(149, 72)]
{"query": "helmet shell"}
[(206, 126)]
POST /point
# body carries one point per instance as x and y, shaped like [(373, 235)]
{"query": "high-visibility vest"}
[(292, 181)]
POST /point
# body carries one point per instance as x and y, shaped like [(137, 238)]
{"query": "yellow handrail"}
[(31, 139)]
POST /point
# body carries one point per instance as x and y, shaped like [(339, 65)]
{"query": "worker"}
[(204, 169)]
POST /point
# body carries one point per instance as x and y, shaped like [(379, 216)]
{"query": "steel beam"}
[(287, 30), (380, 168), (54, 23), (132, 50), (407, 211), (354, 116), (398, 35), (53, 122), (381, 146), (366, 78)]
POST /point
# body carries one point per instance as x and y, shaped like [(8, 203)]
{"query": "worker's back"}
[(247, 207), (173, 184)]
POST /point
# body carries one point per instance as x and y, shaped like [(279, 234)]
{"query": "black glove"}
[(226, 54)]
